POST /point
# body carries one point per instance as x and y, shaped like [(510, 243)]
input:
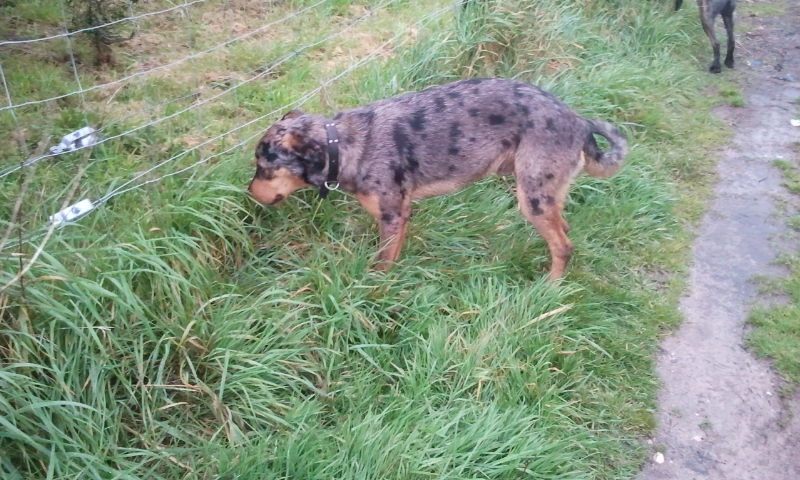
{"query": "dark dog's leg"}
[(707, 20), (727, 18), (542, 205), (392, 215), (678, 4)]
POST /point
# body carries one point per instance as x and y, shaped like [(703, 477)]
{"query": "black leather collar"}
[(333, 161)]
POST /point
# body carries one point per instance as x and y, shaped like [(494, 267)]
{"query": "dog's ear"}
[(293, 114), (293, 141), (300, 144), (263, 153), (311, 152)]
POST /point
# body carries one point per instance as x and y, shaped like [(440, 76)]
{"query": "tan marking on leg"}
[(393, 233), (551, 226), (397, 238), (370, 202)]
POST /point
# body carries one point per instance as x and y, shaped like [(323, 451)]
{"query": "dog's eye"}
[(262, 151), (261, 162), (264, 173)]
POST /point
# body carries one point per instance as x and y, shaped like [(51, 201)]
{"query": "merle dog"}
[(709, 9), (437, 141)]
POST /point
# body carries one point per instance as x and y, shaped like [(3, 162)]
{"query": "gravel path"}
[(721, 415)]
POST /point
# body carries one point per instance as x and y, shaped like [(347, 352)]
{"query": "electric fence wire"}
[(262, 73), (300, 101), (46, 230), (165, 66), (97, 27)]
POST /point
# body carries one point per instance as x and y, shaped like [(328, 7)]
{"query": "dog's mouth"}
[(275, 189), (264, 197), (278, 199)]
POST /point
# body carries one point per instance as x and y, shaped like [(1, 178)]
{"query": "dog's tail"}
[(599, 163)]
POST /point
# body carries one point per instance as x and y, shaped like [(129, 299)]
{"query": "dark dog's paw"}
[(715, 68), (729, 63)]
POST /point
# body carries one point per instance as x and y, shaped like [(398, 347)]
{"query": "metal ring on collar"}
[(332, 185)]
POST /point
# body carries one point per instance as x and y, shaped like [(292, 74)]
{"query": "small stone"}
[(658, 458), (697, 438)]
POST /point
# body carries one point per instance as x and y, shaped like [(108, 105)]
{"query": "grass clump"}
[(181, 331), (777, 333), (733, 95), (791, 173), (777, 330)]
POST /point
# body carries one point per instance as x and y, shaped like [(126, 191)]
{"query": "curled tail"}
[(599, 163)]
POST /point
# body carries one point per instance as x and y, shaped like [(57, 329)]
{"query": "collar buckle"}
[(333, 160)]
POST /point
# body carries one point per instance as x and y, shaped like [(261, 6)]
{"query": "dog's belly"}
[(434, 189), (503, 165)]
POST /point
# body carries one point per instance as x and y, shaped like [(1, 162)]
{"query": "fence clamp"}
[(72, 213), (85, 137)]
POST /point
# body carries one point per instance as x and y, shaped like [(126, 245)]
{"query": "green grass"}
[(181, 331), (771, 9), (791, 173), (777, 330), (777, 327), (733, 94)]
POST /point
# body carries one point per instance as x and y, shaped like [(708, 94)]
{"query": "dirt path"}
[(721, 415)]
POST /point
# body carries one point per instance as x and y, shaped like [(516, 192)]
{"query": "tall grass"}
[(181, 331)]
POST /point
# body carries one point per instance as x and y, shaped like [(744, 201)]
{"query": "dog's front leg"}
[(707, 21), (727, 19), (392, 215)]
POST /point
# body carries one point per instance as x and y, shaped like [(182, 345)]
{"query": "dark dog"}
[(435, 142), (709, 9)]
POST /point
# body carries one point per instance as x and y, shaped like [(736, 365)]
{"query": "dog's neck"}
[(332, 145), (352, 134), (349, 148)]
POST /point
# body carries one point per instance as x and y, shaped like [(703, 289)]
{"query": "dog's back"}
[(447, 133), (438, 140)]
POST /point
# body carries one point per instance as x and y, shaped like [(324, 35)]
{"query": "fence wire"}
[(261, 73), (166, 66), (105, 25), (41, 236)]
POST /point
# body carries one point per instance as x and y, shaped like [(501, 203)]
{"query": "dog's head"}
[(288, 158)]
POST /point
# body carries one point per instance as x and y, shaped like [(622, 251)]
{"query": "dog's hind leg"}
[(392, 215), (541, 201), (727, 18)]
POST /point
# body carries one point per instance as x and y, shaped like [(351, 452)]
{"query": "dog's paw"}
[(729, 63), (715, 68)]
